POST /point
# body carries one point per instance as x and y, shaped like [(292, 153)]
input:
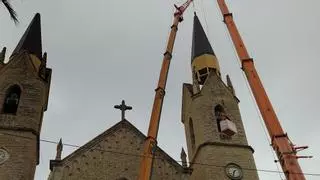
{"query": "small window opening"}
[(220, 115), (203, 79), (203, 71), (192, 137), (11, 101)]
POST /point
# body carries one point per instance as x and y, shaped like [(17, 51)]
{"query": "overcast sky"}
[(103, 51)]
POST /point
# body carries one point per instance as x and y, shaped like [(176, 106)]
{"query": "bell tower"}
[(24, 91), (216, 139)]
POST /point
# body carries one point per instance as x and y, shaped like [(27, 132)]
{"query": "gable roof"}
[(111, 130)]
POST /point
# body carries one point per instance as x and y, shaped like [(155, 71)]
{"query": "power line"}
[(157, 157)]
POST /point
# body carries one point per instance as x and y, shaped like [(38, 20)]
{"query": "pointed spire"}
[(31, 39), (3, 55), (59, 150), (183, 157), (203, 59), (200, 42), (229, 83)]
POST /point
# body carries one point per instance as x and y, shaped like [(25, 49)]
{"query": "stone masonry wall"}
[(211, 146), (214, 159), (115, 156), (22, 161), (20, 131)]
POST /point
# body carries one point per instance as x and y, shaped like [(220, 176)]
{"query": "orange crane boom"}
[(151, 140), (281, 143)]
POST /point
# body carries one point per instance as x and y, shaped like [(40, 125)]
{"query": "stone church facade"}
[(217, 146), (114, 154)]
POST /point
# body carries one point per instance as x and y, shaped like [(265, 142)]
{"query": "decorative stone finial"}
[(59, 150), (43, 66), (44, 57), (229, 83), (183, 157), (3, 55)]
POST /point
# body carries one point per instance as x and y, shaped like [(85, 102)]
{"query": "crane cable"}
[(194, 7), (205, 17), (253, 101)]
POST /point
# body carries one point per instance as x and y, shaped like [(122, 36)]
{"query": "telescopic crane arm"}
[(151, 140), (282, 145)]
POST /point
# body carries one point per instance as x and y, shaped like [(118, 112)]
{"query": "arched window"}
[(11, 101), (220, 115), (192, 137)]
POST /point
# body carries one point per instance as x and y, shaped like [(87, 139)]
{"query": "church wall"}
[(185, 115), (215, 92), (164, 169), (19, 132), (213, 149), (22, 158), (214, 159), (32, 100), (201, 111), (115, 156)]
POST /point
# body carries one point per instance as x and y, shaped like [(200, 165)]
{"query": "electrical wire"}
[(155, 157)]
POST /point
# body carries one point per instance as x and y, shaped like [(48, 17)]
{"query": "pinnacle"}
[(229, 83), (60, 144), (59, 150), (3, 54), (183, 153)]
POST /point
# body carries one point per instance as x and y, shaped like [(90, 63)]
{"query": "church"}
[(217, 147)]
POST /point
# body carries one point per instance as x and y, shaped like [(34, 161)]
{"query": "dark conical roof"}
[(31, 39), (200, 42)]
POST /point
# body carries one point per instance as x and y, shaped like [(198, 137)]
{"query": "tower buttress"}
[(213, 126), (24, 90)]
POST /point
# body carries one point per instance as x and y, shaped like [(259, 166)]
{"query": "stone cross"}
[(123, 107)]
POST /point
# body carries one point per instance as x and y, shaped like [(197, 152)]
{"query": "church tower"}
[(24, 90), (216, 140)]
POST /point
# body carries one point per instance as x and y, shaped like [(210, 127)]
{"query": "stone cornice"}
[(219, 144)]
